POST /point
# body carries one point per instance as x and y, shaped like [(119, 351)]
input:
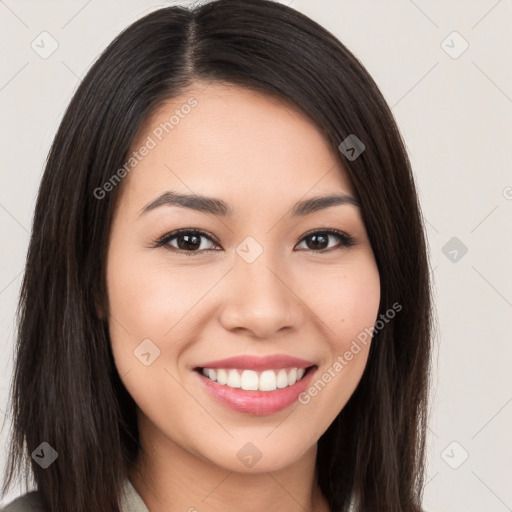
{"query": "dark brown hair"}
[(66, 389)]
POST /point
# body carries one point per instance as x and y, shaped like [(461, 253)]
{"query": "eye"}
[(188, 241), (320, 240)]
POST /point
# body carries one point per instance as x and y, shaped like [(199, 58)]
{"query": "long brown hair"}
[(66, 390)]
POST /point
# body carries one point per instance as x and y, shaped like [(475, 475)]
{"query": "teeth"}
[(282, 379), (267, 381), (222, 376), (250, 380), (234, 379)]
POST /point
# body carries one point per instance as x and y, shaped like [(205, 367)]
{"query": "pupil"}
[(315, 239), (191, 240)]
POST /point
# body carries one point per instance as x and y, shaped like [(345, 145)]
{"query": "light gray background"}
[(455, 115)]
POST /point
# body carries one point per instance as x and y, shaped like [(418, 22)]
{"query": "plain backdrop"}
[(444, 68)]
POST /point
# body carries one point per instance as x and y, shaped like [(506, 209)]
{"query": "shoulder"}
[(29, 502)]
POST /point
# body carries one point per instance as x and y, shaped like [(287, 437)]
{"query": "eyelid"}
[(165, 239), (346, 239)]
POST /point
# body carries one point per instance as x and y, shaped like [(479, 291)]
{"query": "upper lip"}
[(248, 362)]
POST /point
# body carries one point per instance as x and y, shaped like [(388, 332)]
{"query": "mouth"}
[(258, 392), (252, 380)]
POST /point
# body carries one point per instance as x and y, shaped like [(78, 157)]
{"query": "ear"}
[(99, 311)]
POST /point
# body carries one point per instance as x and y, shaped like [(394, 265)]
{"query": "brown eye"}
[(318, 241), (187, 241)]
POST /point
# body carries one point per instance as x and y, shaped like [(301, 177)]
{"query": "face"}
[(238, 329)]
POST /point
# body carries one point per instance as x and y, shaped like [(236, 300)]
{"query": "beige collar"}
[(131, 500)]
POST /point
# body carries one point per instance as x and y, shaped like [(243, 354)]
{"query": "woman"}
[(226, 302)]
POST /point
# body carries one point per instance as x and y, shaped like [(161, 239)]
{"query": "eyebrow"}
[(220, 208)]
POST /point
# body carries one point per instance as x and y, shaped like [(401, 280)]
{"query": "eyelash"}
[(346, 240)]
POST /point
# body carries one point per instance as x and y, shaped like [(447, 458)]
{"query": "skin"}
[(260, 155)]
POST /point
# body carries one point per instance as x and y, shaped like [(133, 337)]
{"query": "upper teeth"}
[(250, 380)]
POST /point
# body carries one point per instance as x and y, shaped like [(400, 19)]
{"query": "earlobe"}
[(99, 312), (99, 304)]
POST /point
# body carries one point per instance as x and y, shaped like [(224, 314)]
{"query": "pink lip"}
[(258, 403), (246, 362)]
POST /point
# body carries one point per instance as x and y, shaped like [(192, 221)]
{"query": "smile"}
[(250, 380), (256, 392)]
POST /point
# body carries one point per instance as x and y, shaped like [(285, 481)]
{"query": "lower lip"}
[(259, 403)]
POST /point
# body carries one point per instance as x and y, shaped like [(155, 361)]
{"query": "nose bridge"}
[(262, 300), (256, 266)]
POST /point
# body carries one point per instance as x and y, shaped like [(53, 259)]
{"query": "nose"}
[(261, 298)]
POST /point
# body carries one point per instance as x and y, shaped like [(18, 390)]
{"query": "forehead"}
[(224, 140)]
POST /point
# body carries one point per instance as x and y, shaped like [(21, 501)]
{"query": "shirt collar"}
[(131, 500)]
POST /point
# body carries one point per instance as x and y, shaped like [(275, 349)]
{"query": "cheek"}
[(148, 304), (360, 301), (346, 298), (146, 301)]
